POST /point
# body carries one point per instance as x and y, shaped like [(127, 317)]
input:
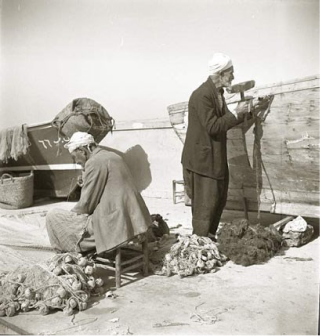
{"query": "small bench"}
[(141, 259), (180, 193)]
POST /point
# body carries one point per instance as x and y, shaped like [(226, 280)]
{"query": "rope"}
[(69, 193), (13, 327), (257, 159), (59, 144), (31, 247)]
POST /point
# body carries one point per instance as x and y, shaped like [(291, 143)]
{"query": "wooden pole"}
[(145, 251), (118, 267), (278, 225)]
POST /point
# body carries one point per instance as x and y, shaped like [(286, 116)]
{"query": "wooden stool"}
[(121, 267), (182, 193), (174, 190)]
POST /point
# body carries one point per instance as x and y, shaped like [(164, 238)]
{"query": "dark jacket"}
[(205, 147)]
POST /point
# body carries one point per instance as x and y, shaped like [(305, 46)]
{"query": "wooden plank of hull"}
[(293, 131), (301, 159), (289, 176), (295, 209), (305, 149), (294, 206), (300, 185), (268, 195), (288, 150)]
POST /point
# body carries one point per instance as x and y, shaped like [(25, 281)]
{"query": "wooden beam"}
[(278, 225)]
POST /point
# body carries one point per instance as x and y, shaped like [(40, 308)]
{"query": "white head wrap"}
[(218, 63), (79, 139)]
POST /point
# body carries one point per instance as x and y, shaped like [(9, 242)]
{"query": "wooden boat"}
[(273, 163), (55, 173)]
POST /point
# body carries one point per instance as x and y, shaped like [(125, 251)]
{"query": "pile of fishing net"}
[(64, 283), (192, 254), (247, 244)]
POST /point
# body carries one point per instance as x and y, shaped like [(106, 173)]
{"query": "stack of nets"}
[(64, 283), (192, 254), (247, 244)]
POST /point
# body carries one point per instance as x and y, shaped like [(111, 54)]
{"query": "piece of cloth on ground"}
[(22, 243), (10, 258), (15, 233)]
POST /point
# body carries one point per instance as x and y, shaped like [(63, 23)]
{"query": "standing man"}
[(110, 211), (204, 156)]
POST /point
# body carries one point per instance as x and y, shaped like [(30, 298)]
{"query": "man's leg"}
[(65, 229), (87, 242), (223, 195), (204, 194), (188, 182)]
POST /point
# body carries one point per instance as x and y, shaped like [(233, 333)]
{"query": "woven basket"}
[(16, 192)]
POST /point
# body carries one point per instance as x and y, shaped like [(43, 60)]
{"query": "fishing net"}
[(190, 255), (65, 283), (14, 142), (247, 244)]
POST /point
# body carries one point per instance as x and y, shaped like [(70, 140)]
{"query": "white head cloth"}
[(218, 63), (79, 139)]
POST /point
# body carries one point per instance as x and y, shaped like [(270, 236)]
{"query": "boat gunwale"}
[(174, 108)]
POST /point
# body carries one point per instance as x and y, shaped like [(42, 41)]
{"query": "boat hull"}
[(55, 174), (273, 164)]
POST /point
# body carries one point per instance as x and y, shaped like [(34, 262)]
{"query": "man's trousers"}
[(208, 199)]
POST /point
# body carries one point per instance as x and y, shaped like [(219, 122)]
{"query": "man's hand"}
[(80, 181), (253, 106), (242, 108), (260, 105)]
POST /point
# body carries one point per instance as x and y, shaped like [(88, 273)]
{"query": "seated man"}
[(110, 211)]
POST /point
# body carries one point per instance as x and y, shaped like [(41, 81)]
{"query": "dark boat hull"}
[(55, 174)]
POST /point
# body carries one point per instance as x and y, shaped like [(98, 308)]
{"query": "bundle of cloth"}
[(14, 142)]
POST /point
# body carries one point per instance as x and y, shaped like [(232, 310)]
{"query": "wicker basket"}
[(16, 192)]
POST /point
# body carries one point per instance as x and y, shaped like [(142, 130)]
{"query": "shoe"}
[(212, 237)]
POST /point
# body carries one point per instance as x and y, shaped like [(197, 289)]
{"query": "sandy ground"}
[(279, 297)]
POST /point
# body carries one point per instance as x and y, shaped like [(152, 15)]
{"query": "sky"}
[(136, 57)]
